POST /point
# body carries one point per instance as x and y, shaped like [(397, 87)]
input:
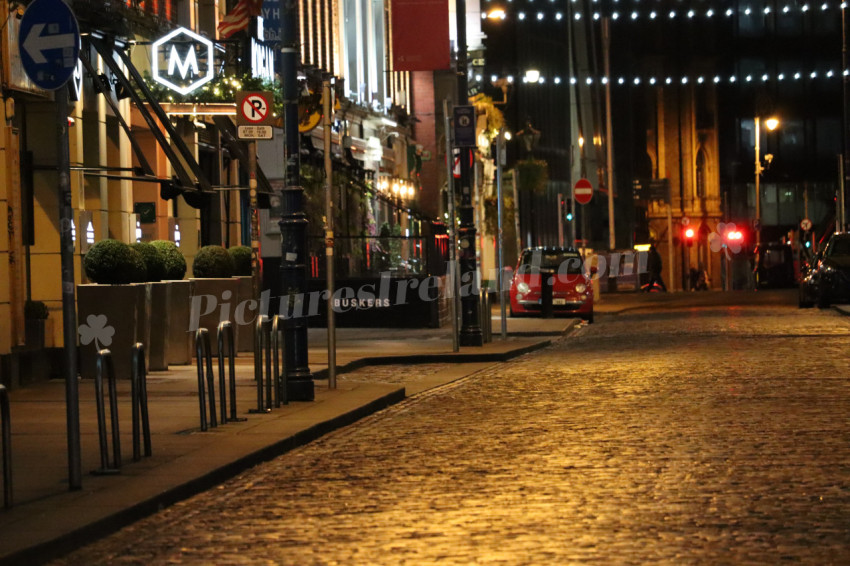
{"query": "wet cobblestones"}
[(716, 436)]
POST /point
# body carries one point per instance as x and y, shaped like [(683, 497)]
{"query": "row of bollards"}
[(269, 363), (139, 410), (226, 349)]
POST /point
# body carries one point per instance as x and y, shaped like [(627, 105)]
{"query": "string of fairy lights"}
[(500, 13), (534, 77)]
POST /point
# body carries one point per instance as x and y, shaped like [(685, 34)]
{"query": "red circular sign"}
[(583, 191), (255, 108)]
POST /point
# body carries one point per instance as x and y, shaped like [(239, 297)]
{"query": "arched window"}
[(701, 189)]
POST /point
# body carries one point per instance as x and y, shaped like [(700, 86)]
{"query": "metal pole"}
[(845, 84), (670, 269), (500, 148), (452, 229), (69, 313), (758, 190), (842, 221), (293, 221), (470, 332), (256, 276), (329, 232), (609, 139)]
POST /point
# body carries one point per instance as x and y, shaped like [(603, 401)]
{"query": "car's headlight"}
[(522, 287), (581, 288)]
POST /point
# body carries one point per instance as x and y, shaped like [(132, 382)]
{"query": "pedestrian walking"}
[(654, 267)]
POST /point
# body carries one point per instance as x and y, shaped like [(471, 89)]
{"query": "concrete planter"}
[(160, 313), (104, 307), (245, 332), (215, 301), (180, 340)]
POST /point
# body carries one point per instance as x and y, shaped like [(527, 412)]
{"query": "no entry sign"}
[(583, 191)]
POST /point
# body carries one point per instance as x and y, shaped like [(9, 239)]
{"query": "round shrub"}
[(153, 261), (174, 264), (140, 270), (111, 262), (241, 259), (213, 261)]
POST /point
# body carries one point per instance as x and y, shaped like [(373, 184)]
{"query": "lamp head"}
[(771, 123)]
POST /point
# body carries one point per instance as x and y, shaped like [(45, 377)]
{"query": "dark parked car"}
[(826, 279)]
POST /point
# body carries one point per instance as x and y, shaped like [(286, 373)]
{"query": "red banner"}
[(420, 31)]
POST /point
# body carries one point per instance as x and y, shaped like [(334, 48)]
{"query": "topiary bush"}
[(154, 264), (174, 264), (140, 270), (213, 261), (35, 310), (111, 262), (241, 259)]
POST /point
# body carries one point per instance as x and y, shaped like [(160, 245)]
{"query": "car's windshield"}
[(838, 247), (560, 261)]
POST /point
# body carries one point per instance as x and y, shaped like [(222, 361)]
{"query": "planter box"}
[(245, 332), (160, 313), (143, 320), (181, 342), (34, 333), (225, 293), (101, 307)]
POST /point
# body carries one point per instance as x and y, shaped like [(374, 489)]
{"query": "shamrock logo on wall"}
[(96, 330)]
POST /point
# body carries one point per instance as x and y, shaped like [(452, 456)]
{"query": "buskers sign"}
[(184, 61)]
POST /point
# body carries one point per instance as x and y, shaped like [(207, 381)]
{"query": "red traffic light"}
[(689, 233)]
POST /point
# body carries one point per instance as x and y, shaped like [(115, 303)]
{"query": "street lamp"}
[(771, 124)]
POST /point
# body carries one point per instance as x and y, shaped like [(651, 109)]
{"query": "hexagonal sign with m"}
[(182, 60)]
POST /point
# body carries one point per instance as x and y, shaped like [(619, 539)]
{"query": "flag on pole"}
[(239, 17)]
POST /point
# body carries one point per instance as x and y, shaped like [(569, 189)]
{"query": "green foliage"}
[(174, 264), (222, 88), (533, 175), (111, 262), (35, 310), (212, 261), (154, 263), (241, 259)]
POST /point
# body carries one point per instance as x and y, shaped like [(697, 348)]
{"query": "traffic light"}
[(689, 235), (568, 207)]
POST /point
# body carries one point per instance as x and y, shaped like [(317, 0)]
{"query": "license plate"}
[(559, 301)]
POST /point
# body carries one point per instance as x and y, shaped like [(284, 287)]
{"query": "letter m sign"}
[(182, 60)]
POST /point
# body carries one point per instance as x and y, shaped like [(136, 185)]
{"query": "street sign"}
[(583, 191), (685, 221), (49, 43), (254, 132), (464, 117), (254, 108), (806, 224)]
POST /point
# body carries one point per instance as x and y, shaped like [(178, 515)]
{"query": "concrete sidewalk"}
[(48, 520)]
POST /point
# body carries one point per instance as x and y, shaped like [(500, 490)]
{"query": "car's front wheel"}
[(588, 317)]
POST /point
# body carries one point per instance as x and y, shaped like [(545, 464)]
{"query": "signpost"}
[(806, 224), (253, 114), (583, 191), (49, 44)]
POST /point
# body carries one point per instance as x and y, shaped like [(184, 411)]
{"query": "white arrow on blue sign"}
[(49, 42)]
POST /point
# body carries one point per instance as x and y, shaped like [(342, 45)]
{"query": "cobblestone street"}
[(714, 435)]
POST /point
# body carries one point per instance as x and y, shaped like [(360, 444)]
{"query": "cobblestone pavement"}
[(704, 436)]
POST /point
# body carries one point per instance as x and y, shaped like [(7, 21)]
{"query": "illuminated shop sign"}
[(262, 57), (182, 60)]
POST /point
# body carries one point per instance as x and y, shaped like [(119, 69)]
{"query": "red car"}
[(572, 289)]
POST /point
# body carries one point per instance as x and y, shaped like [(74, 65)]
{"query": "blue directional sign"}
[(49, 42)]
